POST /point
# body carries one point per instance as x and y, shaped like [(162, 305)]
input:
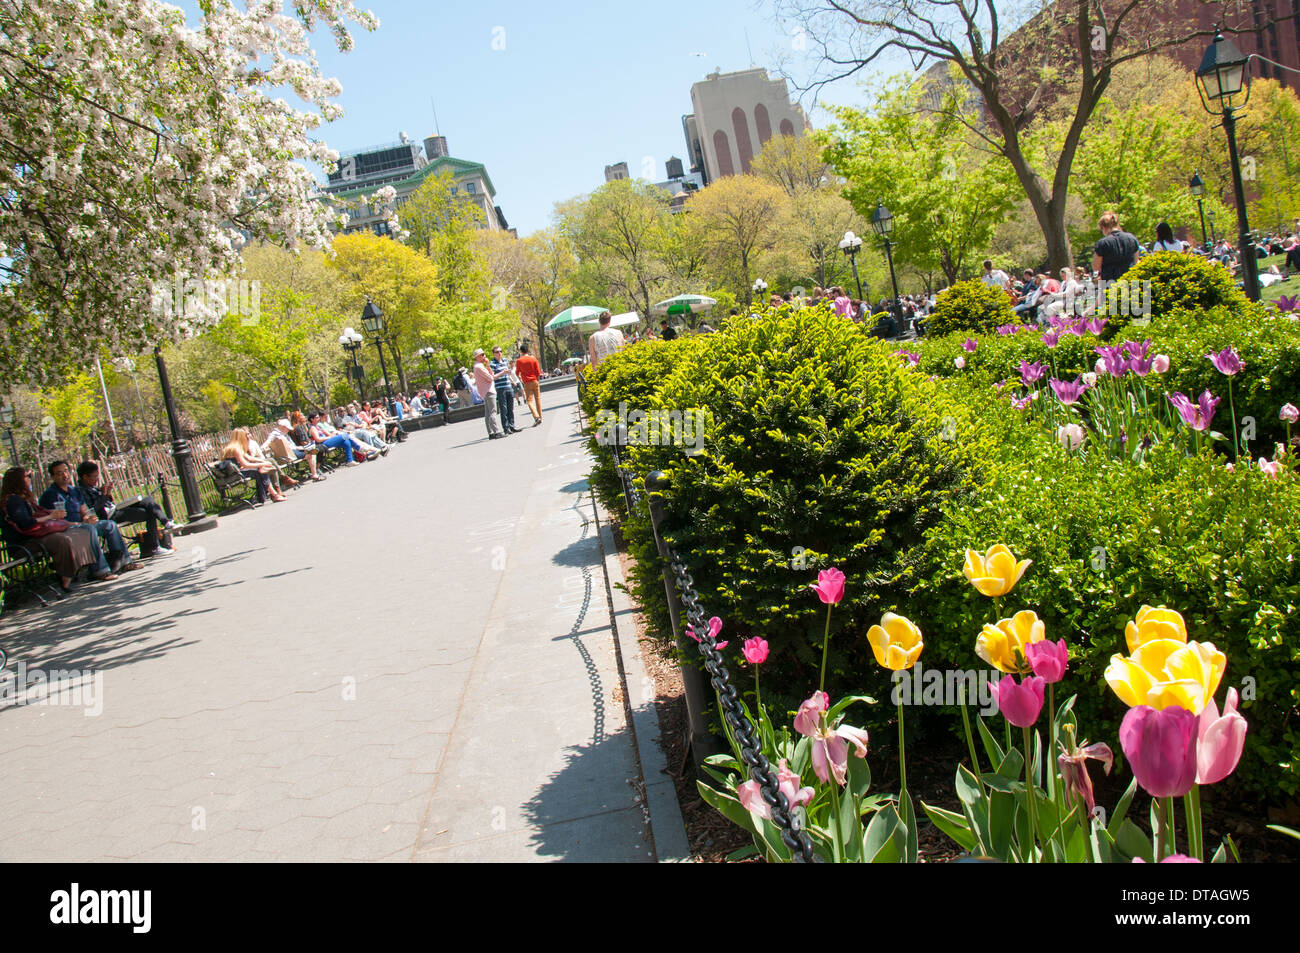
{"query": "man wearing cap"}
[(505, 392), (485, 387), (280, 446)]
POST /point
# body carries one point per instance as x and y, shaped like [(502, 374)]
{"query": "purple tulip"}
[(912, 359), (1288, 303), (1051, 338), (1227, 362), (1074, 773), (1066, 392), (1058, 322), (1006, 329), (1095, 325), (1134, 349), (1112, 357), (970, 344), (1029, 373), (1022, 702), (1198, 415), (1160, 746), (1141, 366)]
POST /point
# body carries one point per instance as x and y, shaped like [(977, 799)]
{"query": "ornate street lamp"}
[(196, 520), (850, 244), (759, 286), (1198, 190), (1221, 77), (882, 221), (351, 342), (427, 353), (372, 319)]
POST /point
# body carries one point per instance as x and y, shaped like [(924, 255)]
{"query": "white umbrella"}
[(617, 321)]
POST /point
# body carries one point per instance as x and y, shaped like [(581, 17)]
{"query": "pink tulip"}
[(1269, 467), (1074, 773), (1020, 702), (1172, 859), (1048, 659), (830, 748), (1160, 364), (1290, 413), (1161, 748), (755, 650), (829, 586), (1219, 740), (959, 361), (715, 626), (750, 794)]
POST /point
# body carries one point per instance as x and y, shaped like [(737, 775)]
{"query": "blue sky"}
[(545, 95)]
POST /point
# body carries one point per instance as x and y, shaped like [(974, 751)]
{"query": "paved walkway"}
[(411, 661)]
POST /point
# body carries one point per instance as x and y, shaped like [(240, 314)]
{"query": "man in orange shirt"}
[(530, 372)]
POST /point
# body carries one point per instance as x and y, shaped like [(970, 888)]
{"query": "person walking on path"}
[(530, 373), (443, 400), (505, 393), (1116, 252), (604, 342), (487, 392)]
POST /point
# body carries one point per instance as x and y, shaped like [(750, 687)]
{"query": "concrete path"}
[(415, 660)]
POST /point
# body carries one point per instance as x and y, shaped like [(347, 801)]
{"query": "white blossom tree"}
[(139, 154)]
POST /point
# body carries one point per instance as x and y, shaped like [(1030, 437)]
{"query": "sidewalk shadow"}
[(588, 811), (101, 626)]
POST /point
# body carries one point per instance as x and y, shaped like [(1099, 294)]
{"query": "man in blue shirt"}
[(505, 393), (62, 494)]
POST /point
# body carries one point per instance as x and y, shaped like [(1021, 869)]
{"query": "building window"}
[(740, 123), (764, 124), (787, 127), (722, 149), (469, 187)]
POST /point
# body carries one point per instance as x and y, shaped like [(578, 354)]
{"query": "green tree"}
[(444, 225), (739, 219), (401, 281), (946, 194), (74, 411), (618, 234), (461, 327)]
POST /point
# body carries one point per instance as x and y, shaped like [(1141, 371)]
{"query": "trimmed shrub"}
[(1181, 282), (821, 450), (969, 306)]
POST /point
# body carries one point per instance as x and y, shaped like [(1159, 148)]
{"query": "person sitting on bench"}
[(155, 541)]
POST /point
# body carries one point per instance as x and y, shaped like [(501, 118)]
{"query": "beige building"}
[(405, 166), (735, 115)]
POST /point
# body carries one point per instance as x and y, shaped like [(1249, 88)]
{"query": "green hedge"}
[(970, 306), (1182, 282)]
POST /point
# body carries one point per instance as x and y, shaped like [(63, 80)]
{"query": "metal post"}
[(1249, 265), (197, 521), (898, 312), (703, 741), (388, 390), (1200, 207), (853, 260), (103, 389), (165, 496)]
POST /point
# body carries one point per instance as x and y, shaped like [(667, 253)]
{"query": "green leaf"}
[(850, 828), (1288, 831), (952, 824), (1121, 809), (859, 776), (991, 747), (728, 807), (879, 836), (969, 791), (909, 819), (743, 853), (844, 703), (1132, 842), (1002, 814)]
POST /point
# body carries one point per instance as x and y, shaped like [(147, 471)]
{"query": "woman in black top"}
[(1117, 251), (68, 549)]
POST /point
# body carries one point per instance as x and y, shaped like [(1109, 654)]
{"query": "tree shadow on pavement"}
[(108, 625)]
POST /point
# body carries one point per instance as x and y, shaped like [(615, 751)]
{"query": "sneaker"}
[(163, 551), (384, 452), (496, 436), (537, 422), (171, 525), (352, 463)]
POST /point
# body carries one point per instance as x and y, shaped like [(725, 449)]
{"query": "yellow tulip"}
[(896, 642), (1003, 645), (1152, 624), (1167, 672), (996, 572)]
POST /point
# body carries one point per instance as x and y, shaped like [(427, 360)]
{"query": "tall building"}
[(616, 171), (405, 165), (735, 115)]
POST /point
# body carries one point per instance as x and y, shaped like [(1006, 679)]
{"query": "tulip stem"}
[(902, 755), (1236, 435), (837, 849), (1195, 835), (1049, 768), (1030, 793), (758, 698), (970, 740), (826, 641)]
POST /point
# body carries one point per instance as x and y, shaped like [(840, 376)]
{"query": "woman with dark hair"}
[(1165, 240), (26, 524)]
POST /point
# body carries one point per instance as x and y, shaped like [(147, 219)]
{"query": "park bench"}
[(233, 487), (22, 568)]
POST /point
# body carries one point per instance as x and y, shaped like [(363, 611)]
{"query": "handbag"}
[(47, 528)]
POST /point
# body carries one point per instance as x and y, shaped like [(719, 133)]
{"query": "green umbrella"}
[(684, 304), (574, 315)]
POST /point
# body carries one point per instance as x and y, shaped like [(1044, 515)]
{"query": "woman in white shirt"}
[(1165, 240)]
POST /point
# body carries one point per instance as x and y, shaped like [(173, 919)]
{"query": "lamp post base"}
[(200, 525)]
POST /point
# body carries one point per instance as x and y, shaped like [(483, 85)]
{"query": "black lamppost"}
[(1198, 189), (1219, 78), (7, 421), (351, 342), (882, 220), (1213, 235), (427, 353), (372, 319), (850, 245), (196, 520)]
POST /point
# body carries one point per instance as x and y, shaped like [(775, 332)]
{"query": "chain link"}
[(743, 730)]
